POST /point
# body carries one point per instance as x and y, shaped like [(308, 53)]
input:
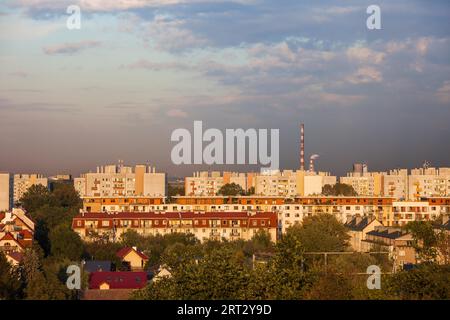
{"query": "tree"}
[(231, 189), (66, 243), (428, 281), (35, 197), (10, 285), (66, 196), (322, 232), (339, 189), (425, 239)]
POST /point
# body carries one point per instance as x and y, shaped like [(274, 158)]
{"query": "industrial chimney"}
[(302, 147), (311, 162)]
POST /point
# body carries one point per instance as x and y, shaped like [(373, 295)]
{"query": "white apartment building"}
[(5, 192), (366, 184), (429, 182), (289, 183), (24, 181), (206, 183), (112, 180), (395, 184)]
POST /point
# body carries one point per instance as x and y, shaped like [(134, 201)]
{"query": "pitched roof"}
[(10, 237), (97, 265), (358, 223), (17, 256), (118, 280), (124, 251), (387, 232)]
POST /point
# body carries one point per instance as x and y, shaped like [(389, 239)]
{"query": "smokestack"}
[(311, 162), (302, 147)]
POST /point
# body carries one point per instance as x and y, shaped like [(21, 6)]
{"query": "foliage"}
[(322, 232), (231, 189), (425, 239), (65, 243), (429, 281), (339, 189), (10, 285)]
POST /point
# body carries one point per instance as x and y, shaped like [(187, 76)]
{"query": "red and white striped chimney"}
[(302, 147)]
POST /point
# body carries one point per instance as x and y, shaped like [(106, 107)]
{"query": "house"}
[(133, 257), (396, 241), (97, 265), (163, 272), (117, 280), (9, 244), (16, 231), (358, 227)]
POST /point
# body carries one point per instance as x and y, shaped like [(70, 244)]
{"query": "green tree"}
[(231, 189), (322, 232), (429, 281), (339, 189), (35, 197), (66, 243), (10, 286), (425, 239)]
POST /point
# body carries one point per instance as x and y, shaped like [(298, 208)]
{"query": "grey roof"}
[(97, 265), (358, 223), (387, 232)]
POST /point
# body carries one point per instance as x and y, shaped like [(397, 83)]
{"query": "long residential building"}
[(203, 225), (287, 183), (119, 180), (423, 182), (290, 211)]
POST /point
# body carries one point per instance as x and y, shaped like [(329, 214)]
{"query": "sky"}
[(136, 70)]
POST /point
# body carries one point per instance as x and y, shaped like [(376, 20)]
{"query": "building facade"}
[(203, 225), (119, 180)]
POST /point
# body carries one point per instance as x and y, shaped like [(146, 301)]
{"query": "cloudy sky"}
[(136, 70)]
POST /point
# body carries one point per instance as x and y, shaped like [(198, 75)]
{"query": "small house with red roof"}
[(102, 280), (132, 256)]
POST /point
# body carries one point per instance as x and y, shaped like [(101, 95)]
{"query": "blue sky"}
[(73, 99)]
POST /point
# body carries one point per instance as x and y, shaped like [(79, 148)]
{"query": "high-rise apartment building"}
[(6, 195), (119, 180), (24, 181)]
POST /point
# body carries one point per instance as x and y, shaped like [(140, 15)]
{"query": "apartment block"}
[(6, 195), (289, 183), (203, 225), (429, 182), (22, 182), (204, 183), (122, 181)]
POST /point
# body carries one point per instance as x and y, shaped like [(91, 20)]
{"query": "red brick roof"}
[(118, 280), (124, 251), (171, 215), (17, 256)]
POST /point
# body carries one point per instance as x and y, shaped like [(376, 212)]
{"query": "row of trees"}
[(224, 270)]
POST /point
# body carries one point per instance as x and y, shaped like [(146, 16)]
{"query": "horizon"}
[(135, 72)]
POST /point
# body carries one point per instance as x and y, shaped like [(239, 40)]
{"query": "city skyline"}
[(117, 88)]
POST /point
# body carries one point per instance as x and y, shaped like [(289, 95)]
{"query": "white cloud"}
[(176, 113), (365, 55), (443, 93), (70, 48), (365, 75)]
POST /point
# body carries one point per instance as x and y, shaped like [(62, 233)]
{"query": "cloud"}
[(157, 66), (177, 113), (112, 5), (443, 93), (71, 48), (18, 74), (365, 55), (365, 75)]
